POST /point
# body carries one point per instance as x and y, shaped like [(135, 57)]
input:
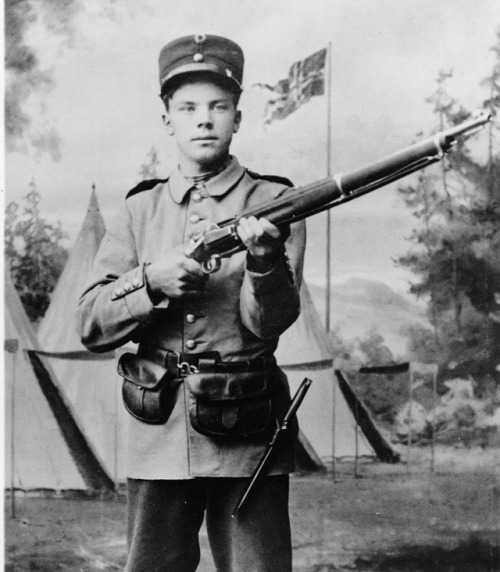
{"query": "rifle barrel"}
[(302, 202), (324, 194)]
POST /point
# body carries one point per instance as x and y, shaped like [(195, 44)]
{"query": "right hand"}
[(176, 276)]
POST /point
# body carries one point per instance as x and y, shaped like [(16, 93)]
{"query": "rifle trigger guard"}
[(212, 264)]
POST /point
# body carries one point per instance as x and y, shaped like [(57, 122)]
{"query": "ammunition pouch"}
[(231, 404), (148, 389)]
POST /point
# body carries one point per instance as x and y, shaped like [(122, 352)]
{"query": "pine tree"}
[(34, 253), (456, 247), (149, 170)]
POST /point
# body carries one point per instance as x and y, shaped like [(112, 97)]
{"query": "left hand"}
[(262, 239)]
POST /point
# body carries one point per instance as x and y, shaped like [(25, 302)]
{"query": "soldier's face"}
[(203, 119)]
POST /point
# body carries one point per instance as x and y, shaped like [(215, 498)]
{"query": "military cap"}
[(201, 53)]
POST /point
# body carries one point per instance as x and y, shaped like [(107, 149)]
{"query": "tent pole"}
[(115, 444), (356, 430), (12, 451), (334, 418), (410, 413), (11, 346), (433, 422)]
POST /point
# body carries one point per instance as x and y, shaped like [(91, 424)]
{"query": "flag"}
[(305, 79)]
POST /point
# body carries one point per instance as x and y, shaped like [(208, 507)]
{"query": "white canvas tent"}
[(89, 381), (44, 448), (325, 418), (92, 385)]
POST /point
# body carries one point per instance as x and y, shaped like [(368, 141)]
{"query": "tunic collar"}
[(216, 187)]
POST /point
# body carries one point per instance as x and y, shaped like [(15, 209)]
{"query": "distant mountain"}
[(359, 306)]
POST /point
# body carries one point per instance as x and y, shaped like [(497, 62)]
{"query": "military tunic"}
[(240, 313)]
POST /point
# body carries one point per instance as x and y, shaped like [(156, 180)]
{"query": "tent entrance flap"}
[(39, 457), (365, 421), (94, 475), (326, 418)]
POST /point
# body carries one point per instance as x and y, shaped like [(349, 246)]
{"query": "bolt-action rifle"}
[(221, 240)]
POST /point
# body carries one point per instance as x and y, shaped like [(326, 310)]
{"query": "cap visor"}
[(197, 67)]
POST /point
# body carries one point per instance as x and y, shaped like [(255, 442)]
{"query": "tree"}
[(382, 394), (492, 103), (456, 247), (374, 350), (34, 253), (421, 343), (149, 170)]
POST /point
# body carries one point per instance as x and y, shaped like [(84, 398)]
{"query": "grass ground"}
[(371, 518)]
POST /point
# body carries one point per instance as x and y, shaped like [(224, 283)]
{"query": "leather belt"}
[(181, 363)]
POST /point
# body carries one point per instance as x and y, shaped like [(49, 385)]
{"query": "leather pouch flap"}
[(140, 371), (229, 386)]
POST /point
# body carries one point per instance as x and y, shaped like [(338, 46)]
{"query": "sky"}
[(99, 102)]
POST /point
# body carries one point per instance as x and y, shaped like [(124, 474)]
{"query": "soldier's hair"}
[(187, 78)]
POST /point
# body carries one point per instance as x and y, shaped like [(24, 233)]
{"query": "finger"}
[(255, 228), (269, 228), (196, 278), (244, 225), (191, 291), (191, 282), (193, 288), (192, 267), (244, 231), (268, 240), (194, 281), (264, 233)]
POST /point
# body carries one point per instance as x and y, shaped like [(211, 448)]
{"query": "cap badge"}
[(229, 73), (200, 39)]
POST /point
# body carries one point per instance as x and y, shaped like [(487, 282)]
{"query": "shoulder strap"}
[(145, 186), (271, 178)]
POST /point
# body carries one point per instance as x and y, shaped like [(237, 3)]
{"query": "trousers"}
[(164, 519)]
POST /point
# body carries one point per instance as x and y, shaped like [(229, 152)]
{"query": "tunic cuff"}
[(269, 303), (130, 288), (267, 281)]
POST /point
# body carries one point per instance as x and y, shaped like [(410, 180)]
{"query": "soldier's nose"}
[(204, 117)]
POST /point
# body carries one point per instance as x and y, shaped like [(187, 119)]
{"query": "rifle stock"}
[(221, 240)]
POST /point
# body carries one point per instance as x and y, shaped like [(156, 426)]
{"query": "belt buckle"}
[(183, 367)]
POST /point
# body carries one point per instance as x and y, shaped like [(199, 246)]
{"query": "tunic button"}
[(136, 283), (196, 197), (119, 291), (194, 218), (191, 344), (190, 318), (127, 286)]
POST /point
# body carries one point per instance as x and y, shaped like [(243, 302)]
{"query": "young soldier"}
[(227, 323)]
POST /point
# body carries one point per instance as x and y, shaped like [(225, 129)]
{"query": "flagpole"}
[(328, 174), (328, 232)]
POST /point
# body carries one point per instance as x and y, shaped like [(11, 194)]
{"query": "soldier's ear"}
[(168, 124), (237, 121)]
